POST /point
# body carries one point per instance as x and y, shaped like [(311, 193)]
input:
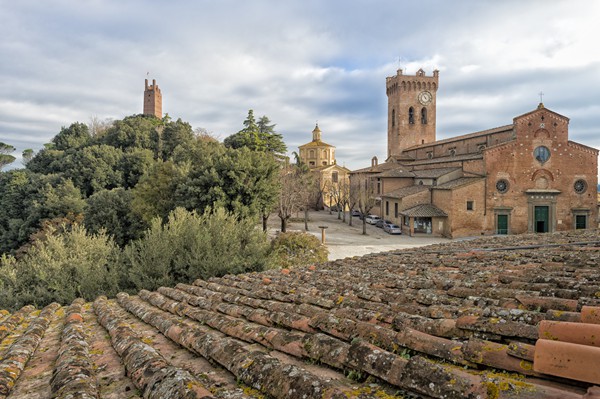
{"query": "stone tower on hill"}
[(411, 110), (152, 100)]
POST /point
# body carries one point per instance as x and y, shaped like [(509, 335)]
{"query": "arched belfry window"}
[(424, 116), (393, 117), (411, 115)]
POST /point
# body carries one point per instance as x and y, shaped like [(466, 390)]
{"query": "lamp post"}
[(323, 233)]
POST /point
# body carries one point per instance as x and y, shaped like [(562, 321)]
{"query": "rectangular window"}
[(387, 208), (580, 222), (396, 210), (334, 177), (406, 220), (469, 205)]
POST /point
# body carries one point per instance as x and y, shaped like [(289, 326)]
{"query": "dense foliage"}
[(132, 204), (76, 263), (60, 268), (123, 176), (192, 245), (297, 249)]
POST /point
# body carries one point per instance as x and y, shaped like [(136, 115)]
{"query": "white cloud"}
[(296, 61)]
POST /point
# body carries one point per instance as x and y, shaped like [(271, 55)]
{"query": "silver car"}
[(372, 219), (392, 228)]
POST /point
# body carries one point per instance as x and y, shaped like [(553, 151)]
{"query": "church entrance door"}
[(541, 221), (502, 224)]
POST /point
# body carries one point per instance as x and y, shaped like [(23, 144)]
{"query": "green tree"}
[(175, 134), (29, 198), (137, 131), (134, 164), (75, 136), (192, 245), (242, 181), (257, 136), (46, 161), (94, 168), (111, 211), (5, 157), (155, 194), (27, 156), (274, 141)]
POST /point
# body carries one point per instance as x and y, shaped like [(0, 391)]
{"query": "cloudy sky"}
[(296, 61)]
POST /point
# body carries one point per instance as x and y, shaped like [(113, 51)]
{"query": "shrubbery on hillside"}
[(297, 249), (191, 246), (60, 268), (75, 263)]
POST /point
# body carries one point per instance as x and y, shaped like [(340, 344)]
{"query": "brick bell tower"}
[(411, 110), (152, 100)]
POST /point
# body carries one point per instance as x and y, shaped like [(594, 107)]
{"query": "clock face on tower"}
[(425, 97)]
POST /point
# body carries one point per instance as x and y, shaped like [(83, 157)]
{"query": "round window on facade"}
[(502, 186), (542, 154), (580, 186)]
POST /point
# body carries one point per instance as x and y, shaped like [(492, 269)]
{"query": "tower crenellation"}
[(411, 110), (152, 99)]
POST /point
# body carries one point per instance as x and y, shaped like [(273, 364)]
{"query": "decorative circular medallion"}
[(502, 186), (541, 153), (425, 97), (580, 186)]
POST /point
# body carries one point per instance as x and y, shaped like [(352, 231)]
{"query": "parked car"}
[(335, 208), (372, 219), (356, 213), (380, 223), (392, 228)]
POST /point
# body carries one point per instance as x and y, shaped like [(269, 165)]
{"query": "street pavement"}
[(344, 241)]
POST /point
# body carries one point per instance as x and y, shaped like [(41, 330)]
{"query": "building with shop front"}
[(524, 177)]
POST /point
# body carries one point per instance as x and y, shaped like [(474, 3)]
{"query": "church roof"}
[(406, 191), (424, 211), (377, 168), (462, 181), (400, 171), (464, 136), (434, 173), (447, 159), (333, 166), (541, 107), (463, 319), (317, 143)]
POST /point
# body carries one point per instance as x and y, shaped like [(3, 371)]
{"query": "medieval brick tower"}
[(411, 110), (152, 100)]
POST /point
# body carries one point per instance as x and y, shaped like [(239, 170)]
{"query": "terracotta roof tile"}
[(438, 321)]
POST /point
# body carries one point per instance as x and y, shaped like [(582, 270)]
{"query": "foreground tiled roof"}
[(444, 321)]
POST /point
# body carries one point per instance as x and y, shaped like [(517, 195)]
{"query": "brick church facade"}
[(523, 177)]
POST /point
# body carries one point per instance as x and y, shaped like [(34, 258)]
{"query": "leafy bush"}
[(191, 246), (61, 268), (297, 249)]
